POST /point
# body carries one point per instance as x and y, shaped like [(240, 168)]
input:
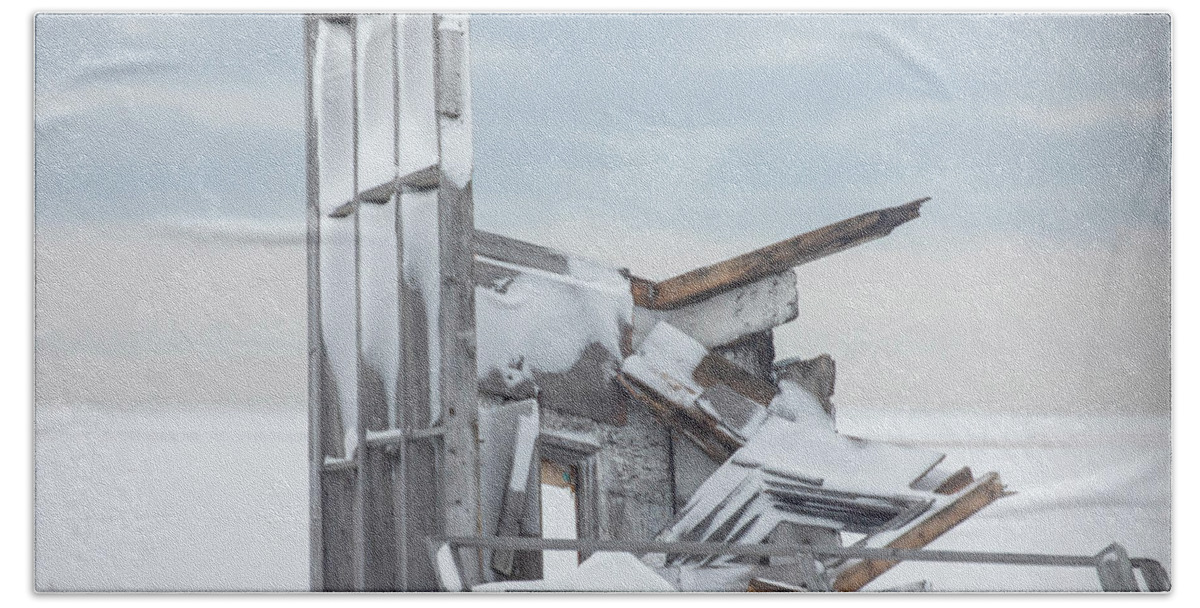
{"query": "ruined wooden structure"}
[(455, 374)]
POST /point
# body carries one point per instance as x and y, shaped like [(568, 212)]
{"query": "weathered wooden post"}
[(392, 387)]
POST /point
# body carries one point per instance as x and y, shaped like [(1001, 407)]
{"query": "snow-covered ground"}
[(215, 498), (1082, 482)]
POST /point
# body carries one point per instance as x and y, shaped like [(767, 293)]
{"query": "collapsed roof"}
[(564, 330)]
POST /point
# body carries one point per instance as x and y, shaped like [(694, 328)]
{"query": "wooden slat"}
[(984, 493), (513, 251), (762, 585), (703, 433), (707, 281), (956, 482)]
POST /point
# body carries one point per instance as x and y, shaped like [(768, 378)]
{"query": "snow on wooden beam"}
[(970, 501), (708, 399), (707, 281), (421, 179), (557, 336), (728, 316), (714, 444)]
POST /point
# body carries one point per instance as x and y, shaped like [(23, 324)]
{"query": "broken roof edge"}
[(707, 281)]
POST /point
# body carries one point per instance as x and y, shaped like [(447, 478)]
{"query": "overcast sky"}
[(759, 126), (1037, 278)]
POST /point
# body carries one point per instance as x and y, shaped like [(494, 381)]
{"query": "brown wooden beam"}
[(984, 493), (956, 482), (708, 281)]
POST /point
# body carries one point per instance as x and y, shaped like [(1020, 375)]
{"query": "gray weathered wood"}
[(330, 157), (459, 408), (316, 350), (513, 251)]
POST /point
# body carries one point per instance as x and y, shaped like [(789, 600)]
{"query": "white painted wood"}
[(728, 316), (376, 65), (331, 157)]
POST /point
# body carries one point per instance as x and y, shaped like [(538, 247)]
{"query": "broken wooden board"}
[(699, 394), (754, 353), (708, 281), (727, 317), (715, 369), (701, 434), (507, 476), (816, 375), (922, 532)]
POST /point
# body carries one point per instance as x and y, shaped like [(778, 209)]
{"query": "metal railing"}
[(1113, 566)]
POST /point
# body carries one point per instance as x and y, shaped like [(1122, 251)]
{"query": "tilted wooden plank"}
[(956, 482), (983, 493), (703, 433), (704, 396), (515, 499), (708, 281), (513, 251)]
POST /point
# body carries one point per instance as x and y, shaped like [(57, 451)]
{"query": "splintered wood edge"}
[(703, 435), (707, 281), (984, 493)]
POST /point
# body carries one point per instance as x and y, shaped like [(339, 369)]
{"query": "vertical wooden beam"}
[(332, 317), (420, 493), (316, 351), (459, 407), (377, 305)]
